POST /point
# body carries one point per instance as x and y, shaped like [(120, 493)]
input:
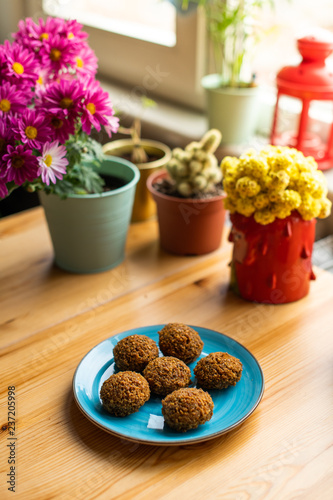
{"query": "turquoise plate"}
[(231, 406)]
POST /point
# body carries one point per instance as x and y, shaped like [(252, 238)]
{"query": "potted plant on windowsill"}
[(49, 103), (274, 197), (189, 195), (231, 92), (148, 156)]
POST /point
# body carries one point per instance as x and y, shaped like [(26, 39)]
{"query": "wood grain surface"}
[(50, 319)]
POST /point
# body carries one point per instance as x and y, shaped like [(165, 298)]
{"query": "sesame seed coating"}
[(218, 370), (124, 393)]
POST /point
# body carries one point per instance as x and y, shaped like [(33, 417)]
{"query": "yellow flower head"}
[(254, 166), (247, 187), (280, 211), (245, 206), (264, 216), (230, 205), (279, 180), (274, 182), (229, 164), (229, 183), (325, 208), (291, 199), (261, 201), (310, 207)]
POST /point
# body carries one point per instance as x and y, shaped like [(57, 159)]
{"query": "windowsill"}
[(177, 126), (168, 122)]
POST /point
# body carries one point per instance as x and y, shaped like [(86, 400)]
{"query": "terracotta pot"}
[(272, 264), (187, 226), (144, 207)]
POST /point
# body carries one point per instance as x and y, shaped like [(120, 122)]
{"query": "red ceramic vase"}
[(187, 226), (272, 263)]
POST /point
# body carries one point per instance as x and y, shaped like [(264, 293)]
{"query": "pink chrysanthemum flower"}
[(20, 165), (57, 54), (32, 35), (63, 98), (31, 129), (61, 127), (6, 135), (86, 62), (12, 99), (3, 189), (73, 31), (21, 65), (52, 163), (3, 63), (96, 106), (112, 125)]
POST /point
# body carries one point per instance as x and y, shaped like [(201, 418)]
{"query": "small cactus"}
[(195, 169)]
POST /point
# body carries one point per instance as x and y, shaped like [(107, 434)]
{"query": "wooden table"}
[(50, 319)]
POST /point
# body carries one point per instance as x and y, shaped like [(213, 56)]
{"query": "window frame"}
[(146, 68)]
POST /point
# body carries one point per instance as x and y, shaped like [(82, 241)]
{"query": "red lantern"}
[(311, 80)]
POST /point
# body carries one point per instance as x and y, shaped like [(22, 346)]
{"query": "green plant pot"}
[(89, 232), (233, 111)]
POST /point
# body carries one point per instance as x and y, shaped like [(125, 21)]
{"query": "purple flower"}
[(21, 65), (31, 128), (3, 189), (3, 63), (6, 136), (96, 106), (73, 31), (32, 35), (112, 125), (61, 127), (12, 99), (63, 98), (52, 163), (86, 62), (20, 165), (57, 54)]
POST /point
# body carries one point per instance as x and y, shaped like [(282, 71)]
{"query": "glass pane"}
[(150, 20)]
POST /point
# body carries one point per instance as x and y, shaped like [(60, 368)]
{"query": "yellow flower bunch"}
[(272, 183)]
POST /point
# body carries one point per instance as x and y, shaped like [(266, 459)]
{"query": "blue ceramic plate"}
[(231, 406)]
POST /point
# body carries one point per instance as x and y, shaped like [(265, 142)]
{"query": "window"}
[(168, 59), (150, 20), (169, 66)]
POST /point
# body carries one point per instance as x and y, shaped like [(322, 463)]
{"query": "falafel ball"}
[(218, 370), (124, 393), (186, 409), (134, 352), (167, 374), (180, 341)]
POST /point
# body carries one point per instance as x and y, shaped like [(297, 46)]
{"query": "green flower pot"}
[(233, 111), (89, 232)]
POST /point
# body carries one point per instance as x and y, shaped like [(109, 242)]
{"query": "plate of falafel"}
[(168, 384)]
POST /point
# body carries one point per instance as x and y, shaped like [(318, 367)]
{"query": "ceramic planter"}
[(233, 111), (186, 226), (89, 232), (272, 264), (144, 207)]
